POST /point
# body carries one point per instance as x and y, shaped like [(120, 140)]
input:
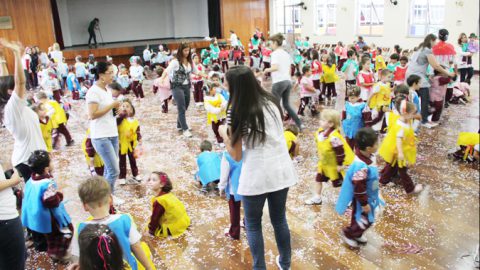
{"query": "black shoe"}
[(70, 143)]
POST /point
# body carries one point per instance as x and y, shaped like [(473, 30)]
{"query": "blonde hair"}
[(56, 46), (332, 116), (95, 190)]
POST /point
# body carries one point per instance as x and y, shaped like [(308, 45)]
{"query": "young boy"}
[(208, 163), (413, 82), (360, 188), (96, 198), (350, 69)]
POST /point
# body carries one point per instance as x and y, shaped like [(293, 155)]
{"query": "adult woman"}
[(103, 126), (464, 59), (255, 123), (26, 60), (281, 80), (34, 65), (56, 54), (418, 66), (178, 71)]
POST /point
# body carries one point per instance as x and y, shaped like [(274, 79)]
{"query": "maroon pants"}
[(265, 66), (62, 129), (57, 95), (351, 142), (304, 102), (448, 95), (224, 66), (329, 88), (123, 165), (75, 95), (99, 170), (197, 91), (340, 63), (316, 84), (215, 127), (390, 171), (80, 79), (438, 106), (234, 217), (165, 105), (137, 89), (356, 230)]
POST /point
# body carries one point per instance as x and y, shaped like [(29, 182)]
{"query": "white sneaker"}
[(314, 201), (122, 181), (187, 134), (418, 188), (277, 260), (430, 125), (352, 243), (362, 239), (138, 178), (117, 200)]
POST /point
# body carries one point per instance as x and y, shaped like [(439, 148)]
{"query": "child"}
[(365, 79), (162, 87), (83, 89), (45, 212), (350, 69), (398, 149), (229, 176), (215, 105), (381, 91), (223, 56), (356, 115), (129, 138), (258, 75), (147, 55), (400, 71), (469, 143), (437, 95), (73, 85), (216, 71), (217, 81), (307, 93), (393, 63), (62, 68), (46, 125), (329, 77), (290, 134), (237, 56), (461, 93), (53, 85), (267, 58), (255, 59), (94, 161), (123, 79), (80, 69), (333, 154), (197, 81), (136, 74), (360, 189), (96, 198), (58, 116), (208, 163), (449, 93), (316, 69), (169, 217)]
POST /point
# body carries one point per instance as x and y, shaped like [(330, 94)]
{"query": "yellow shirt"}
[(97, 160), (379, 63), (327, 159), (388, 149), (381, 96), (290, 138), (59, 116), (127, 135), (47, 128), (329, 73), (215, 107), (175, 219)]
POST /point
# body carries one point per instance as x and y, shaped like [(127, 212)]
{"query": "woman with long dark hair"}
[(464, 59), (255, 124), (418, 66)]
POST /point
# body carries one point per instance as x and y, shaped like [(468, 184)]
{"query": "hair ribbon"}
[(103, 239)]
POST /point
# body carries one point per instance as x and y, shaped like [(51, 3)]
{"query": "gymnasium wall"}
[(32, 24), (126, 20), (458, 19)]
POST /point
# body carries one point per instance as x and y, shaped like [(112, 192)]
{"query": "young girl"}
[(350, 69), (229, 176), (123, 79), (468, 143), (94, 161), (398, 149), (46, 125), (52, 84), (62, 68), (307, 93), (162, 87), (400, 71), (329, 77), (381, 91), (365, 79), (334, 154), (129, 138), (73, 85), (393, 63), (215, 105), (355, 115), (316, 69), (136, 74), (223, 56), (197, 80), (169, 217), (45, 212), (291, 133), (437, 95), (266, 54), (237, 56), (208, 163), (80, 69)]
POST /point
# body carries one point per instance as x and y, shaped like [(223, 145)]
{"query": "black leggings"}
[(466, 74), (92, 35), (12, 245)]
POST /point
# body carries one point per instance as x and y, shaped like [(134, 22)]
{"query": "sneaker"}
[(302, 127), (277, 260), (350, 242), (117, 200), (204, 189), (187, 134), (70, 143), (226, 232), (429, 125), (122, 181), (362, 240), (179, 129), (418, 188), (132, 181), (314, 201), (138, 178)]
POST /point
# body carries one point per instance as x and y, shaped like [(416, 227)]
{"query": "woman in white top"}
[(103, 126), (56, 54), (255, 124), (281, 80)]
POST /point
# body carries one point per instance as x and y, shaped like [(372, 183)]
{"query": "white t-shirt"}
[(57, 56), (23, 124), (105, 126), (147, 54), (25, 58), (233, 39), (282, 59), (8, 202), (267, 167), (136, 72), (174, 66)]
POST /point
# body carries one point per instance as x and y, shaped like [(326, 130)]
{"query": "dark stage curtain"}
[(214, 23)]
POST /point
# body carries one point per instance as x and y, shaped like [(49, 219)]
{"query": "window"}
[(326, 17), (287, 16), (370, 17), (425, 17)]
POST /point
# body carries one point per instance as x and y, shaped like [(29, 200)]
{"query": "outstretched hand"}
[(15, 46)]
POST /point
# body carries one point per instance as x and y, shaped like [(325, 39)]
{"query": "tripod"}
[(101, 37)]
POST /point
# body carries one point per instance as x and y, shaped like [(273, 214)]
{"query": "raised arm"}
[(20, 81)]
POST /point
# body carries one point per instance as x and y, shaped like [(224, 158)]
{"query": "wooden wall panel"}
[(32, 24), (243, 16)]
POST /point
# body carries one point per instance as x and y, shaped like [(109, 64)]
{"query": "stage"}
[(121, 51)]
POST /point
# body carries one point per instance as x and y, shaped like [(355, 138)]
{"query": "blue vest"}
[(233, 177), (208, 167), (225, 94), (121, 227), (70, 83), (354, 120), (346, 195), (35, 215)]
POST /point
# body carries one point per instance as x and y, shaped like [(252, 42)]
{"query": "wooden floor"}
[(439, 229)]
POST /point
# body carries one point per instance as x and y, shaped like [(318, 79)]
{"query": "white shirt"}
[(267, 167), (136, 72), (26, 57), (23, 124), (174, 66), (57, 56), (105, 126), (147, 54), (282, 59), (8, 202), (63, 69), (233, 39)]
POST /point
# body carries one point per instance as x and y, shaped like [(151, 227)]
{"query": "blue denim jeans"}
[(107, 149), (253, 207)]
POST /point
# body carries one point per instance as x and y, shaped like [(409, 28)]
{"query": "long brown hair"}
[(180, 55), (460, 38), (427, 42)]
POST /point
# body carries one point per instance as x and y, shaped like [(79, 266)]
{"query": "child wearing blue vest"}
[(96, 198), (44, 211), (229, 176), (208, 163), (355, 115), (360, 188)]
